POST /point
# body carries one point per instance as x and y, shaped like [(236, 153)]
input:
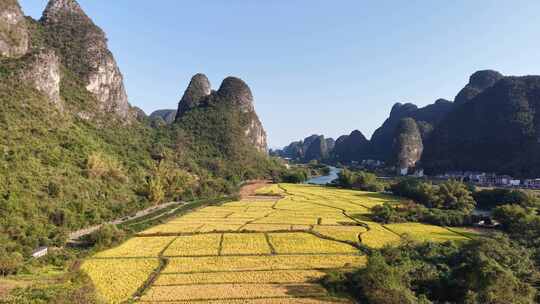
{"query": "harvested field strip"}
[(194, 245), (293, 243), (172, 228), (272, 262), (245, 243), (137, 247), (231, 291), (279, 276)]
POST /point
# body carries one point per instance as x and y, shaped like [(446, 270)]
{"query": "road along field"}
[(254, 250)]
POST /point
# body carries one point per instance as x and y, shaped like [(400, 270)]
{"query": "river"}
[(326, 179)]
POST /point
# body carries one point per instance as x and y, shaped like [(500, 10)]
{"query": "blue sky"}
[(315, 66)]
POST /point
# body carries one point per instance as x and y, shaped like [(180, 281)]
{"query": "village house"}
[(40, 252), (503, 180), (488, 180), (532, 183)]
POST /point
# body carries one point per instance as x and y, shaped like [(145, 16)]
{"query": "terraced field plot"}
[(252, 251)]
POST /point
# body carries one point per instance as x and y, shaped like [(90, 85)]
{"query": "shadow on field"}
[(378, 196), (305, 290)]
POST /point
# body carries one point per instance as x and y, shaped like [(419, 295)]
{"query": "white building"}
[(514, 182), (532, 183), (419, 173), (403, 171), (40, 252)]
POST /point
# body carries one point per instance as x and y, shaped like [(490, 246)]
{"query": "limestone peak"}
[(56, 9), (199, 87), (237, 91)]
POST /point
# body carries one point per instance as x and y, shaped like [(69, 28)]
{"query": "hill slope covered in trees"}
[(73, 152)]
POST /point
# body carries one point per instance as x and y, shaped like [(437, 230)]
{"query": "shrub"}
[(494, 270), (107, 236), (10, 263), (359, 180), (491, 198), (99, 166), (450, 195), (155, 191), (294, 176)]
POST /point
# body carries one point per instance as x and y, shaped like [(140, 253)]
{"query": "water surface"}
[(326, 179)]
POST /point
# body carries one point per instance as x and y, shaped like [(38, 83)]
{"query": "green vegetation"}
[(60, 172), (294, 176), (447, 204), (450, 195), (491, 198), (360, 180), (73, 287), (522, 224), (482, 271)]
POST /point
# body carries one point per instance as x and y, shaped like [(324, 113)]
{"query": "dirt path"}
[(250, 188), (75, 235), (247, 191)]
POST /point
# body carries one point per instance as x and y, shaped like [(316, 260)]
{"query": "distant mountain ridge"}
[(493, 126), (168, 116), (496, 131)]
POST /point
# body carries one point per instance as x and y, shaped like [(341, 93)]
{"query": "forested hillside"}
[(73, 152)]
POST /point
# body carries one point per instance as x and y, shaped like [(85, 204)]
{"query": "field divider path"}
[(254, 220), (458, 232), (163, 261), (328, 238), (273, 250), (220, 248)]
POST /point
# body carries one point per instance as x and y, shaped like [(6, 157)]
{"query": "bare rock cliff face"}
[(14, 37), (43, 73), (256, 134), (83, 49), (408, 144)]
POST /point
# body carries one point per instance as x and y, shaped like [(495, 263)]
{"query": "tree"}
[(156, 193), (10, 263), (382, 283), (496, 271), (454, 195), (345, 178), (106, 236), (450, 195), (491, 198), (294, 176)]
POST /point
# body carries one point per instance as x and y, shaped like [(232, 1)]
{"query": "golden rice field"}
[(253, 251), (259, 263), (118, 279)]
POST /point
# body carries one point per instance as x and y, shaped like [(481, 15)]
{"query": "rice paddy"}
[(253, 251)]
